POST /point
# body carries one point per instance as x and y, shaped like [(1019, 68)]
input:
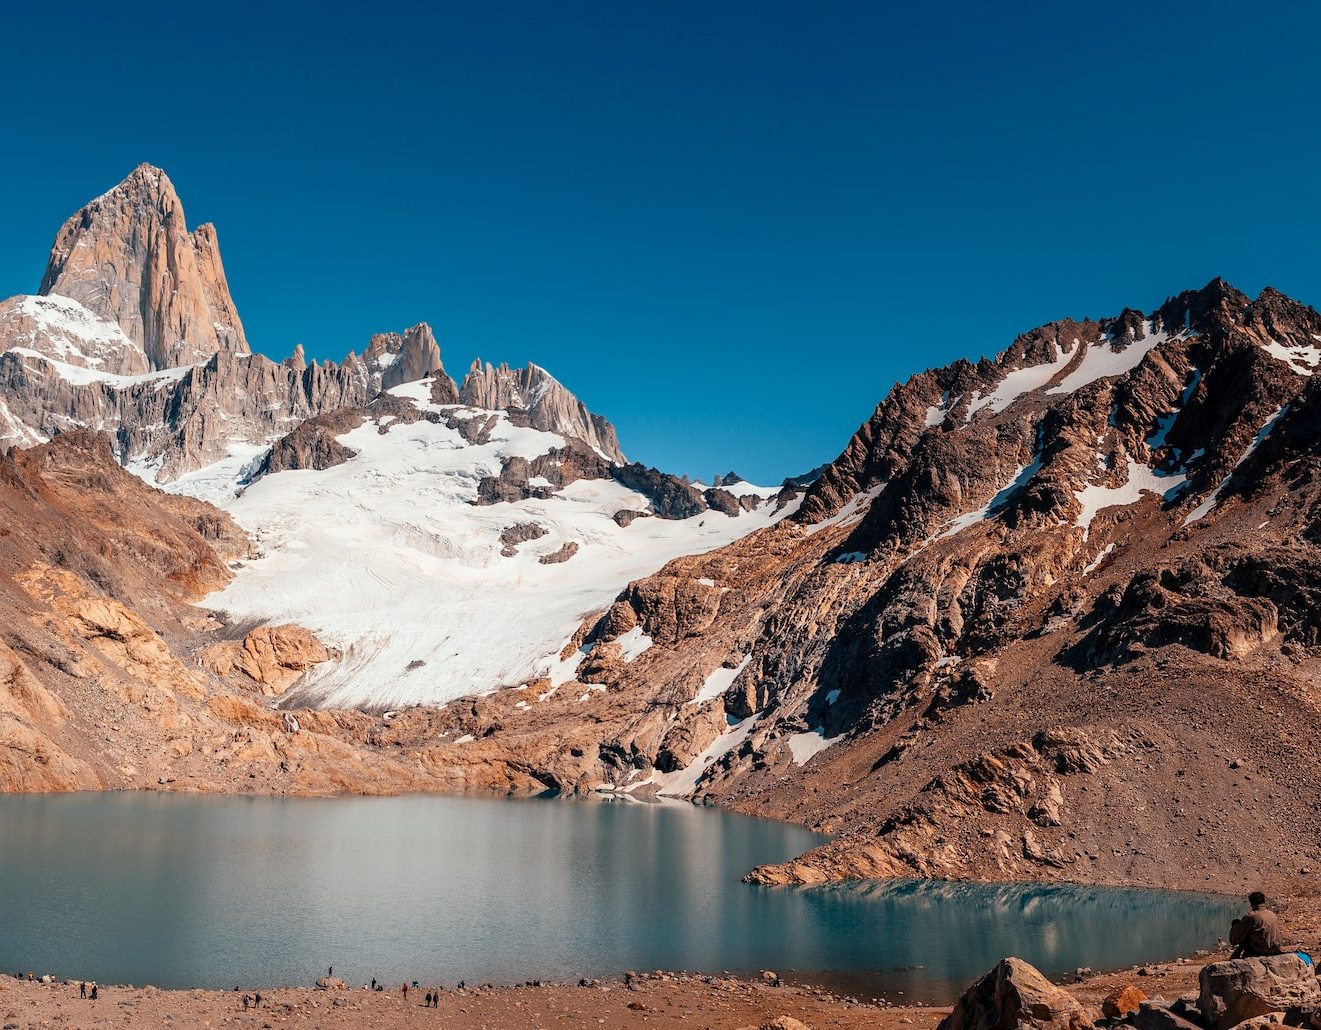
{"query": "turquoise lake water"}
[(181, 891)]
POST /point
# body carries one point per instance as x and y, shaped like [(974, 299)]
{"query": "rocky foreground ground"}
[(661, 1000)]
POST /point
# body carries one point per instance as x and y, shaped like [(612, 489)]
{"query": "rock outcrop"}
[(549, 406), (1123, 1002), (1014, 994), (272, 657), (129, 258), (407, 357)]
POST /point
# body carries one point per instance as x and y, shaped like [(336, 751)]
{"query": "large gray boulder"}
[(1240, 989), (1014, 994)]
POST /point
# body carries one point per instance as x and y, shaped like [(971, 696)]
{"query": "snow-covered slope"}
[(387, 558), (72, 338)]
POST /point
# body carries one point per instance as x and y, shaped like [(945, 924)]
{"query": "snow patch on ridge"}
[(1302, 359), (719, 681), (1095, 563), (1021, 478), (1102, 362), (633, 643), (78, 375), (683, 782), (1214, 497), (1139, 479), (1021, 381), (853, 510), (804, 746), (77, 336)]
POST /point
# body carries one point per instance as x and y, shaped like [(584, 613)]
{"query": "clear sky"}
[(728, 227)]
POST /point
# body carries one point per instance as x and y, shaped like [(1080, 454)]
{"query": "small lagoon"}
[(186, 891)]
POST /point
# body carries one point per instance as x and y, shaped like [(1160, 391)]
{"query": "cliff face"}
[(129, 258), (549, 406)]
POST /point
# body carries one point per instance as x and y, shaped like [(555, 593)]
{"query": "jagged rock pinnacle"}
[(128, 256)]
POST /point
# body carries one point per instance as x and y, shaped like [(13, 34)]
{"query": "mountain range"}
[(1050, 615)]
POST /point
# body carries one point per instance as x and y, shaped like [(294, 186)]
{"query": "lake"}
[(187, 890)]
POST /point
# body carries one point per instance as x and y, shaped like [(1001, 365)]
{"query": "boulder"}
[(1014, 994), (1270, 1021), (330, 983), (1151, 1015), (1244, 988), (1122, 1002)]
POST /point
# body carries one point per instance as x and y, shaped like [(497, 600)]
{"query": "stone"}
[(562, 554), (1014, 993), (407, 357), (330, 983), (1241, 989), (1269, 1021), (1122, 1002), (1153, 1016)]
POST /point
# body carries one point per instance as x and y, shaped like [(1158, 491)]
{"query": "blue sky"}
[(728, 227)]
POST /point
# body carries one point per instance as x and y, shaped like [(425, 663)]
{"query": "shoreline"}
[(654, 1000)]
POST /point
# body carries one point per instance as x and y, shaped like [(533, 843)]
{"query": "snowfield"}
[(386, 558)]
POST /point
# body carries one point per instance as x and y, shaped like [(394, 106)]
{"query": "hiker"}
[(1258, 932), (428, 1004), (246, 1001), (435, 998), (256, 1000), (405, 990), (94, 990), (373, 983), (82, 989), (330, 971)]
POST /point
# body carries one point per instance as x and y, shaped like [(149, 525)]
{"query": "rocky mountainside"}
[(462, 502), (1048, 616), (110, 678)]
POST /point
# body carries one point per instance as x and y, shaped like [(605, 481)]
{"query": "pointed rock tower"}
[(409, 356), (550, 407), (128, 256)]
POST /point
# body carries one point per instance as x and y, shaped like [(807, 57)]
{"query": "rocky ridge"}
[(135, 333), (1036, 615)]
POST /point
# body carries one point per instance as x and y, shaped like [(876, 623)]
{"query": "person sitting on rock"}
[(1257, 933)]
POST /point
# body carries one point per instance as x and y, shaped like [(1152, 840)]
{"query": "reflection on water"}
[(933, 938), (186, 890)]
